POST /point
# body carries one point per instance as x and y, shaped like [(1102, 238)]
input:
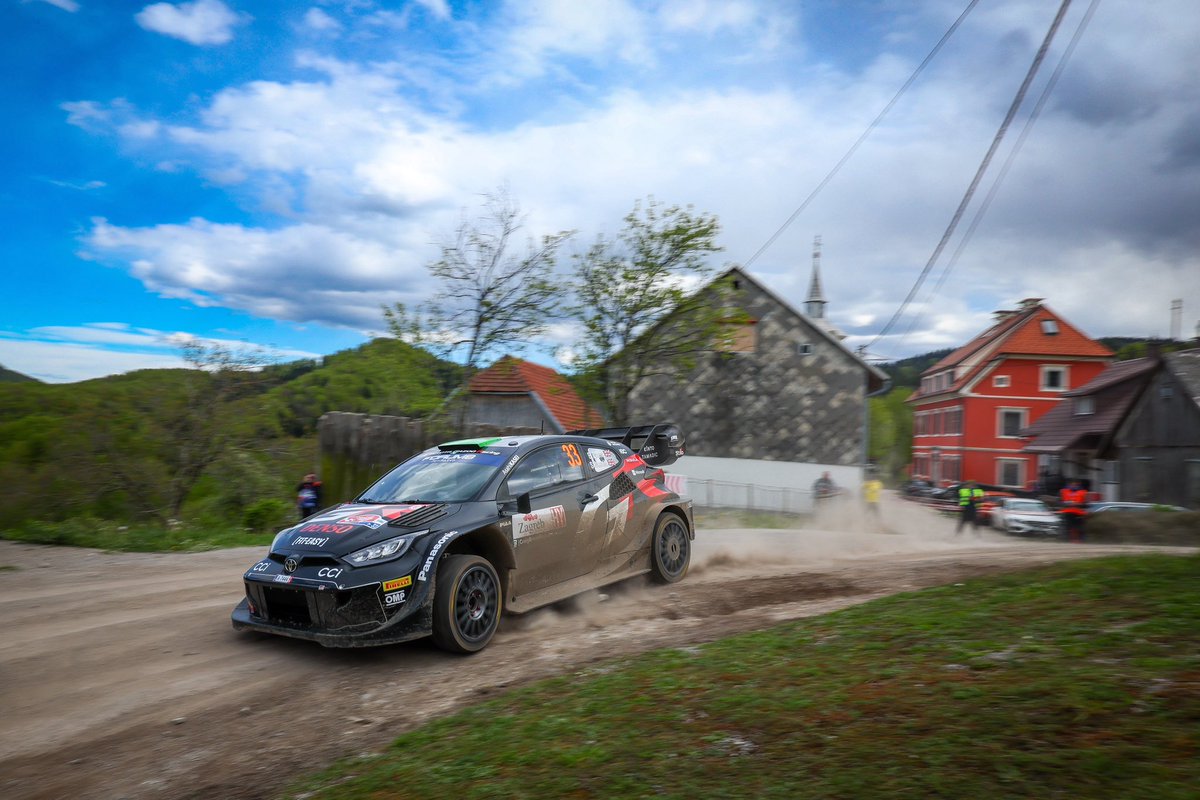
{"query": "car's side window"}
[(546, 468)]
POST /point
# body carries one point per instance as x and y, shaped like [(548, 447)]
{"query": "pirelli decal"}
[(398, 583)]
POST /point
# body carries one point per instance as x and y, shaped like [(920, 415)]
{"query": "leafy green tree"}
[(494, 297), (638, 300), (891, 432)]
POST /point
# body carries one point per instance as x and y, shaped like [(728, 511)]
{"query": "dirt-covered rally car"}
[(458, 534)]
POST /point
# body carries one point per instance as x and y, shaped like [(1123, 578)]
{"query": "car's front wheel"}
[(671, 549), (467, 606)]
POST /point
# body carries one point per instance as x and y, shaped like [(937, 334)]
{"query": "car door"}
[(546, 539)]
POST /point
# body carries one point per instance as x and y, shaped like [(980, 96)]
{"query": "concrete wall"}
[(758, 484)]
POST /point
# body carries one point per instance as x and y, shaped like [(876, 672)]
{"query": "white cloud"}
[(202, 22), (317, 20), (64, 354), (65, 5)]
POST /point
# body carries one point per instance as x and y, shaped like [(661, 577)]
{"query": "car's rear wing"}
[(659, 445)]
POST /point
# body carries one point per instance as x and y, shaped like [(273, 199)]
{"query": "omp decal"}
[(394, 599), (310, 541), (428, 565), (542, 520), (602, 460), (398, 583)]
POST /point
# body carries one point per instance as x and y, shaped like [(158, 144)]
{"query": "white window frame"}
[(1022, 466), (1050, 327), (1001, 381), (1000, 412), (1046, 369)]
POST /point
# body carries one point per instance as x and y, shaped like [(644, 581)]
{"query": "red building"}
[(972, 406)]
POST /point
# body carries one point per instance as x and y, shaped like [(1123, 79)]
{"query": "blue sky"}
[(269, 174)]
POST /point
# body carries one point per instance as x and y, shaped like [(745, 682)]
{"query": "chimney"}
[(1030, 302)]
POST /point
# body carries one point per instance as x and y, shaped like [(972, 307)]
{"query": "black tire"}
[(468, 603), (670, 550)]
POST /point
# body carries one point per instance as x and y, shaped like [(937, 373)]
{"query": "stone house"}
[(782, 387)]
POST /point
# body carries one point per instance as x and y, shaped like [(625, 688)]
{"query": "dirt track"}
[(121, 677)]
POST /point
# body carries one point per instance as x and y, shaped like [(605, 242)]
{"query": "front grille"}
[(317, 610), (304, 560), (419, 519)]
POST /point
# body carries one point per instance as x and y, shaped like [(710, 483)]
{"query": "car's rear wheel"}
[(467, 606), (671, 550)]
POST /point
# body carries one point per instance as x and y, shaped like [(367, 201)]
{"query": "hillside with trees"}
[(206, 445)]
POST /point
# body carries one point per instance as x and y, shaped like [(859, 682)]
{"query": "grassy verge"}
[(732, 518), (134, 538), (1076, 681)]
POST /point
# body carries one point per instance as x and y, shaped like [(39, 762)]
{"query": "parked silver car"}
[(1025, 515)]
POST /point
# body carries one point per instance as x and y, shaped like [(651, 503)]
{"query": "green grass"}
[(732, 518), (1076, 681), (105, 535)]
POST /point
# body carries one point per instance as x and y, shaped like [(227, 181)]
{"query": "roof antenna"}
[(542, 427)]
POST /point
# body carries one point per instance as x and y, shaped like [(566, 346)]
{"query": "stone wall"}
[(778, 402)]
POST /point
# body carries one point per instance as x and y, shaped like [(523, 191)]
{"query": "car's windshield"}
[(454, 477), (1027, 505)]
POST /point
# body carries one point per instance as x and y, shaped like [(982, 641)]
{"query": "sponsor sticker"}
[(283, 579), (542, 520), (261, 566), (311, 541), (601, 460), (329, 572), (398, 583), (372, 521), (423, 575), (394, 599), (325, 527)]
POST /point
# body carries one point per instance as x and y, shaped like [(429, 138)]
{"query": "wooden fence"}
[(356, 449)]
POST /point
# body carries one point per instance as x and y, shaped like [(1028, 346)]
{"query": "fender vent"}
[(621, 486), (421, 518)]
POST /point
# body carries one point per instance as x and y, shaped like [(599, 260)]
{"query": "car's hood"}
[(352, 526)]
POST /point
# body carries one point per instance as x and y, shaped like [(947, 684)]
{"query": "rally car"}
[(462, 532)]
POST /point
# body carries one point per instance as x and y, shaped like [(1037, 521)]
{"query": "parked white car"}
[(1025, 515)]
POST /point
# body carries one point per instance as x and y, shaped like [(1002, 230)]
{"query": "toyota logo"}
[(290, 564)]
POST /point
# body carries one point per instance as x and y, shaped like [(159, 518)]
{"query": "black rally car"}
[(454, 536)]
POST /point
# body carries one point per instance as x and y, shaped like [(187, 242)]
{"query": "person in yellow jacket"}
[(969, 498), (872, 489)]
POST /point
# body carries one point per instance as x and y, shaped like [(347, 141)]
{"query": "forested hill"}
[(153, 444), (11, 376)]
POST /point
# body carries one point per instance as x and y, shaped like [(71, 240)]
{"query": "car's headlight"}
[(383, 551)]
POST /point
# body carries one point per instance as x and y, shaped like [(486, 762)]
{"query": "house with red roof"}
[(972, 406), (520, 394)]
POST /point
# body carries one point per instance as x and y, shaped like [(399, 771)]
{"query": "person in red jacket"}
[(1073, 511)]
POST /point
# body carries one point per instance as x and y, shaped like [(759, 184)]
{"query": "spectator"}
[(824, 487), (1074, 501), (308, 496), (969, 497)]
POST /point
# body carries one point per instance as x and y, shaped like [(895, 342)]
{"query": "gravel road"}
[(120, 676)]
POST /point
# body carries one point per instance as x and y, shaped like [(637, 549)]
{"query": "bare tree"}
[(492, 297)]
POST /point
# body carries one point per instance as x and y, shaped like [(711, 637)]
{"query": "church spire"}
[(814, 306)]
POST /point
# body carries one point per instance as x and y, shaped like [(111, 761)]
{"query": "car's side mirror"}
[(524, 505)]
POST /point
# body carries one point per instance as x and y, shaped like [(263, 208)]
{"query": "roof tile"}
[(511, 375)]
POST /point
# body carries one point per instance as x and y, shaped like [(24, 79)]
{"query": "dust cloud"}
[(834, 538)]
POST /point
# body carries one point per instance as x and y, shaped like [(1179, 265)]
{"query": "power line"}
[(1008, 162), (979, 173), (854, 147)]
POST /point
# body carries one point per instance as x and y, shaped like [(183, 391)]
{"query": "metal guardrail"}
[(707, 493)]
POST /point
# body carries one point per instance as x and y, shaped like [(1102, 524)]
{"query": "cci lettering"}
[(329, 572)]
